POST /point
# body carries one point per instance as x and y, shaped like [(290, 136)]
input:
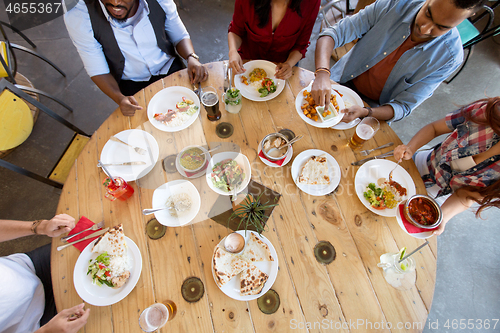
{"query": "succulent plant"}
[(251, 212)]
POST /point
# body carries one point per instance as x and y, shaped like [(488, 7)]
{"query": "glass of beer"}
[(157, 315), (210, 100), (365, 130)]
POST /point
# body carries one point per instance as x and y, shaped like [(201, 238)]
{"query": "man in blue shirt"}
[(125, 45), (406, 48)]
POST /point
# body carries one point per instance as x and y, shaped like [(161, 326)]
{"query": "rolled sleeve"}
[(80, 31), (173, 24)]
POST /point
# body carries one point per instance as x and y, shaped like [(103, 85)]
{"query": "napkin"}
[(410, 227), (83, 224), (280, 162), (189, 174)]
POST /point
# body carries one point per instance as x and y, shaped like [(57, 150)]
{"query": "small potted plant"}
[(251, 212)]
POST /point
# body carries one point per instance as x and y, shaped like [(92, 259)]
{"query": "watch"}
[(194, 55)]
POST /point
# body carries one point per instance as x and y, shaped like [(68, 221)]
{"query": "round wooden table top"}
[(349, 294)]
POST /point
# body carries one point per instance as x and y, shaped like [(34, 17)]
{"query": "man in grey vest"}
[(125, 45)]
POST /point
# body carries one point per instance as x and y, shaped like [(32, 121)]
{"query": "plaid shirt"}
[(467, 139)]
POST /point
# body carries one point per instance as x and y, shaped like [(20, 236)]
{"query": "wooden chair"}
[(16, 123)]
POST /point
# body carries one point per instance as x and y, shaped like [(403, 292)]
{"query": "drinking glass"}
[(232, 104), (210, 101), (157, 315), (400, 275), (365, 130), (119, 189)]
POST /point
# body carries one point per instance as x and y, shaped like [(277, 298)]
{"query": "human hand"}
[(58, 225), (321, 89), (353, 112), (402, 152), (283, 71), (235, 62), (128, 106), (440, 229), (196, 71), (67, 321)]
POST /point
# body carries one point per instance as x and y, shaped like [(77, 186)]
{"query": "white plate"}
[(162, 193), (104, 295), (116, 152), (274, 165), (232, 287), (349, 96), (371, 171), (166, 99), (299, 101), (241, 159), (420, 235), (333, 172), (250, 92)]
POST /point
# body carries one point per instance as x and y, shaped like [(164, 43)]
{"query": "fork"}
[(392, 171), (94, 227), (137, 149), (368, 151)]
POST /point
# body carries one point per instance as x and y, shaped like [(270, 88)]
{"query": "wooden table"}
[(348, 292)]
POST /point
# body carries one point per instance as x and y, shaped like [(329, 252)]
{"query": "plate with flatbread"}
[(249, 274), (316, 172), (116, 244)]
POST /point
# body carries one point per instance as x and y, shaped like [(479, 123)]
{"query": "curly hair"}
[(263, 9), (490, 195)]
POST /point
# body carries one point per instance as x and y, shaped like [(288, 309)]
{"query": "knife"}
[(226, 81), (389, 153), (126, 163), (97, 233)]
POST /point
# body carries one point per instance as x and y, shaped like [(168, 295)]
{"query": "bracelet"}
[(370, 111), (322, 69), (35, 225)]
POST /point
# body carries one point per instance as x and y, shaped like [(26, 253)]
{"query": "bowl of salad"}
[(228, 173)]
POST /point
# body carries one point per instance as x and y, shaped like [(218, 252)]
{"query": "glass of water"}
[(157, 315)]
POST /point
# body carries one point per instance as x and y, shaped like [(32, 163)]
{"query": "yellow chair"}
[(16, 123)]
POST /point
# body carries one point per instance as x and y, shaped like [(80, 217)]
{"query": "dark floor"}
[(467, 278)]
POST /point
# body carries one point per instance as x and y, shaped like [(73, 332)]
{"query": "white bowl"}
[(241, 159)]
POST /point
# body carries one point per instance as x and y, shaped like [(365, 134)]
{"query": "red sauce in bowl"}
[(422, 211)]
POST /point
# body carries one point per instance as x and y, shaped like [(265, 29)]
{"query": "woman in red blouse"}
[(274, 30)]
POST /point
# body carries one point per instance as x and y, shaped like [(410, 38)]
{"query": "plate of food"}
[(228, 173), (258, 83), (173, 109), (316, 172), (317, 116), (181, 200), (248, 274), (376, 192), (108, 269), (350, 98), (116, 153)]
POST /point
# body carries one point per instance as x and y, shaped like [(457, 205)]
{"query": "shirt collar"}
[(143, 7)]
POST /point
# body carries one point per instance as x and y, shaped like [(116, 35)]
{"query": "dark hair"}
[(490, 195), (468, 4), (263, 10)]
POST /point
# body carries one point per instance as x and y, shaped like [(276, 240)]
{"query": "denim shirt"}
[(381, 28)]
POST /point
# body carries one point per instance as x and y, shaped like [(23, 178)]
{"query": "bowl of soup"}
[(423, 212), (192, 158), (269, 146)]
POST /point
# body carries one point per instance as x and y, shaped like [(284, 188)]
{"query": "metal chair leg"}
[(36, 91), (36, 54), (19, 33), (30, 174)]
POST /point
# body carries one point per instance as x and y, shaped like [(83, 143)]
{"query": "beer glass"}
[(365, 130), (210, 100), (157, 315)]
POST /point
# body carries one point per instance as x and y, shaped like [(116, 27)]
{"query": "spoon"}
[(212, 149), (152, 210), (291, 142), (101, 165)]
